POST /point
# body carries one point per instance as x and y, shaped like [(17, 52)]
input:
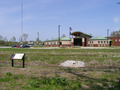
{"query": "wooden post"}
[(23, 62), (12, 63)]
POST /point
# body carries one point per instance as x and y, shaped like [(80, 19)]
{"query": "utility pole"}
[(59, 35), (38, 38), (107, 37), (21, 19)]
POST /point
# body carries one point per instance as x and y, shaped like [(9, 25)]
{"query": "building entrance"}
[(77, 41)]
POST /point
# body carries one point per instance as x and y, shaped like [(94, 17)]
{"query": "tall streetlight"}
[(59, 34), (38, 38), (107, 36), (21, 19)]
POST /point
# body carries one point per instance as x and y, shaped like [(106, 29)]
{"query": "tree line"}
[(4, 41), (115, 34)]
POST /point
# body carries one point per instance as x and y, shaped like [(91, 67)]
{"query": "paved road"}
[(59, 48), (5, 47)]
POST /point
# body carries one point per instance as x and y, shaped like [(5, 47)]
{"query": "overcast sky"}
[(43, 16)]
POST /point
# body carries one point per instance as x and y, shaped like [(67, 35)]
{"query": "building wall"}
[(66, 42), (97, 43), (56, 44), (86, 41), (115, 41), (94, 43), (83, 41), (72, 41)]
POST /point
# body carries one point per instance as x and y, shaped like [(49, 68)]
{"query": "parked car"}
[(25, 46), (18, 46), (13, 46)]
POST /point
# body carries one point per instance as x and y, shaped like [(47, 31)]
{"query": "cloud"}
[(115, 19)]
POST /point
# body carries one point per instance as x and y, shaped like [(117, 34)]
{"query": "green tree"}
[(2, 43)]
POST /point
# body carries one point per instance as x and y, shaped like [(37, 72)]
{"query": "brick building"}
[(83, 39)]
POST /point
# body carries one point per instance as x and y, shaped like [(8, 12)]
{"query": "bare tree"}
[(115, 34), (25, 37), (63, 35), (5, 39), (1, 37), (13, 39)]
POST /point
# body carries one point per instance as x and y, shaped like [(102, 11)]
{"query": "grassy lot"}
[(42, 70)]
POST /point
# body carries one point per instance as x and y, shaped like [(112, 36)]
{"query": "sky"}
[(43, 16)]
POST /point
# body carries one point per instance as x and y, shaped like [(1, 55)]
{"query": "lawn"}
[(42, 70)]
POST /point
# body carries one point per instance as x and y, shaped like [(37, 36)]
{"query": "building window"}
[(98, 41), (92, 41), (116, 40), (107, 41), (104, 41), (119, 40), (101, 41)]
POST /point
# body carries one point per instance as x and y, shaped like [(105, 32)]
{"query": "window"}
[(92, 41), (104, 41), (119, 40), (116, 40), (81, 35), (101, 41), (98, 41)]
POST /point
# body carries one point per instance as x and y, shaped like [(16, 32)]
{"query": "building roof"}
[(62, 39), (80, 32), (98, 38)]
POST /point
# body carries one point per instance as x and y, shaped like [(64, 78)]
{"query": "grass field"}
[(42, 70)]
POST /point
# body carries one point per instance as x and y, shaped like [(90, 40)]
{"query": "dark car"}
[(25, 46), (13, 46)]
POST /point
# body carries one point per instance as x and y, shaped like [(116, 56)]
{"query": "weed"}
[(55, 81), (116, 84), (104, 80), (34, 83), (84, 70), (105, 84), (5, 79), (97, 87), (9, 74), (57, 75)]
